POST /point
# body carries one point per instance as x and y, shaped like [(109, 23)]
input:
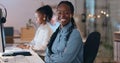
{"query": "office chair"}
[(91, 47)]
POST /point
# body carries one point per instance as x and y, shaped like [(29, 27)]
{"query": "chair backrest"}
[(91, 47)]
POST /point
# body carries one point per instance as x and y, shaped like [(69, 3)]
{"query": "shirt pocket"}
[(62, 43), (64, 37), (61, 48)]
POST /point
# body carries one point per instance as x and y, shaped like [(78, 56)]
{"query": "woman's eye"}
[(59, 12), (66, 12), (63, 12)]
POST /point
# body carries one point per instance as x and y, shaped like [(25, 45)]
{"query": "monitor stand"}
[(2, 38)]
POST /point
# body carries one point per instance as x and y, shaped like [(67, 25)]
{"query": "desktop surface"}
[(33, 58)]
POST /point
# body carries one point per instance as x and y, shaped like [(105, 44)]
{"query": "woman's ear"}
[(44, 17), (71, 15)]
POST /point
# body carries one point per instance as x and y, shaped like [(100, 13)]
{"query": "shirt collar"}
[(66, 27), (43, 25)]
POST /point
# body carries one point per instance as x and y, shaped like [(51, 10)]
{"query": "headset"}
[(3, 15), (3, 18)]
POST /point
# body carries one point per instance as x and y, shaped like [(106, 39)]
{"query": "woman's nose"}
[(62, 15)]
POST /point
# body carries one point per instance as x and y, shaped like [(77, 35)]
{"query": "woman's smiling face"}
[(64, 14)]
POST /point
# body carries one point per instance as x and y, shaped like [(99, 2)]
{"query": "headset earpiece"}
[(2, 20)]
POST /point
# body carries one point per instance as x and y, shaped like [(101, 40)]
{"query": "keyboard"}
[(24, 53), (14, 51)]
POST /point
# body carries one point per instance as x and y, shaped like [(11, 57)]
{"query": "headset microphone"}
[(2, 20)]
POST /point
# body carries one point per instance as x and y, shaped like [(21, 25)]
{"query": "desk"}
[(20, 59)]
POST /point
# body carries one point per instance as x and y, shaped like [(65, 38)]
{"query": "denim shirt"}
[(66, 51)]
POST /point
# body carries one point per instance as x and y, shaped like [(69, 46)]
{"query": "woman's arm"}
[(73, 46), (47, 57), (41, 40)]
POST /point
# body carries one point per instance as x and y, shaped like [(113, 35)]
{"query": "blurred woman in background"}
[(39, 43)]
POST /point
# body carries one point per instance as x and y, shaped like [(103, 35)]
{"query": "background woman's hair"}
[(47, 10)]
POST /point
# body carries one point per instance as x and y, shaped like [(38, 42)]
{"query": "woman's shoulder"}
[(47, 28), (75, 30)]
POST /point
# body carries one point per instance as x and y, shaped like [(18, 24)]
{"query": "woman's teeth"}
[(63, 20)]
